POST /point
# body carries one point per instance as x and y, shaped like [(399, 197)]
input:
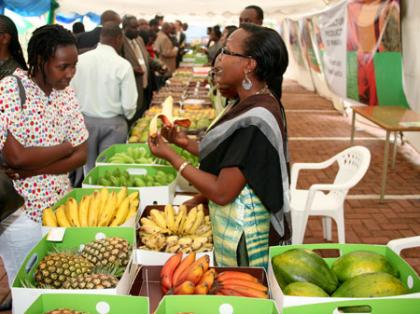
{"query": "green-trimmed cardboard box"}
[(147, 283), (73, 238), (148, 195), (78, 194), (182, 185), (90, 303), (213, 304), (375, 306), (391, 251)]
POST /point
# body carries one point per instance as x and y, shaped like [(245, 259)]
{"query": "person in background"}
[(88, 40), (181, 39), (165, 48), (215, 36), (185, 27), (42, 138), (11, 55), (136, 53), (78, 28), (227, 31), (143, 28), (154, 25), (252, 14), (106, 88), (159, 18), (247, 191), (149, 45)]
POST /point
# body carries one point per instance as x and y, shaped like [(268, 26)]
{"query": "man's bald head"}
[(252, 14), (110, 16)]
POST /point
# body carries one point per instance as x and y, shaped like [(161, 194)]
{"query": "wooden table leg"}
[(353, 124), (385, 167), (394, 153)]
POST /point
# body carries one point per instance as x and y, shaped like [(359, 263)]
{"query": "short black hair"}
[(268, 49), (44, 43), (153, 22), (216, 30), (78, 27), (230, 29), (258, 10), (7, 26), (111, 30)]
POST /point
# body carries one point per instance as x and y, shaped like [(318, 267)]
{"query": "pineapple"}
[(54, 269), (107, 252), (64, 311), (92, 281)]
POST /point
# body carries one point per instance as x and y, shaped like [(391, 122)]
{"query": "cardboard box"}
[(148, 195), (147, 282), (408, 276), (211, 304), (377, 306), (149, 257), (78, 195), (73, 238), (92, 304)]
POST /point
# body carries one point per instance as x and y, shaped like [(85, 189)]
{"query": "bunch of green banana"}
[(101, 208), (133, 155), (176, 232), (120, 177)]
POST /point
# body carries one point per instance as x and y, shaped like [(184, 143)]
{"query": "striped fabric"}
[(247, 216)]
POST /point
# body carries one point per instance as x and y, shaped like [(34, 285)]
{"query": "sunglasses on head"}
[(227, 52)]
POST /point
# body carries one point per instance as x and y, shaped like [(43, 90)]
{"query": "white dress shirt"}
[(104, 84)]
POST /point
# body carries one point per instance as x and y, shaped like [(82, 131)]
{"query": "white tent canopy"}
[(208, 8)]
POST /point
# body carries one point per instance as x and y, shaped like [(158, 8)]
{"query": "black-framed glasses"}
[(227, 52)]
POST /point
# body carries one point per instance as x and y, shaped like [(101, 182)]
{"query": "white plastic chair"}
[(327, 200)]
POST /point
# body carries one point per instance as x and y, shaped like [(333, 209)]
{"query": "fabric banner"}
[(309, 47), (295, 42), (333, 31)]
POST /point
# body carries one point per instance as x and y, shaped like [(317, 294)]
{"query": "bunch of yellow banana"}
[(101, 208), (176, 232)]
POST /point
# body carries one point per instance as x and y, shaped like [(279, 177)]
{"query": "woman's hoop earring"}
[(246, 82)]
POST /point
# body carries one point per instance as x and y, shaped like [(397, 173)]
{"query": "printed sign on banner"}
[(333, 29)]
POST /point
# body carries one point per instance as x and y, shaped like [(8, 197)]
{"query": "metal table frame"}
[(391, 119)]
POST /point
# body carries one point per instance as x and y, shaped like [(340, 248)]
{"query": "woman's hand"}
[(196, 200), (174, 136), (160, 148)]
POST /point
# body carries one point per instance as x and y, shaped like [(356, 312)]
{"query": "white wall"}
[(410, 26)]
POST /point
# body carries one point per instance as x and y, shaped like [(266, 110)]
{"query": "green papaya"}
[(139, 182), (370, 285), (361, 262), (303, 265), (304, 289), (116, 172)]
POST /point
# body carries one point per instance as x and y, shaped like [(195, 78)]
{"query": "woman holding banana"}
[(243, 156)]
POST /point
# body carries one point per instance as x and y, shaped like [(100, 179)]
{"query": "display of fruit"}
[(193, 276), (65, 311), (97, 266), (370, 285), (361, 262), (140, 131), (119, 177), (91, 281), (103, 207), (107, 252), (56, 268), (181, 231), (357, 274), (303, 265)]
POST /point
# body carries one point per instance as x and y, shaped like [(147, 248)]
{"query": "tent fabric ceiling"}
[(271, 8)]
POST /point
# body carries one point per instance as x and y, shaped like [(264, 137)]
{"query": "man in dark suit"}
[(88, 40), (134, 50), (181, 38)]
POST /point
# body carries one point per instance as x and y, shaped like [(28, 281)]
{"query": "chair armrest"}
[(296, 167), (328, 187), (398, 245)]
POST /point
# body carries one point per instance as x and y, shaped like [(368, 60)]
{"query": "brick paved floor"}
[(316, 136)]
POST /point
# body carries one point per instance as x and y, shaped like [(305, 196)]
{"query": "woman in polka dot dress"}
[(41, 139)]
